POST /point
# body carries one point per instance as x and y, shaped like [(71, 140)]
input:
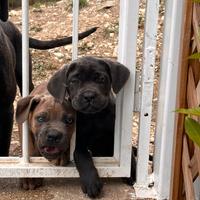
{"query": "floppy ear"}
[(24, 106), (57, 84), (119, 74)]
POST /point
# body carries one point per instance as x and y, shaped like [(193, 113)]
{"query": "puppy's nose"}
[(54, 136), (89, 96)]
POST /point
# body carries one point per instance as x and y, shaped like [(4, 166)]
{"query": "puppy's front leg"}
[(29, 183), (90, 181)]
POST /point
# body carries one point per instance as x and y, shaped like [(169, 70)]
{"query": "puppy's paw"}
[(91, 185), (30, 183)]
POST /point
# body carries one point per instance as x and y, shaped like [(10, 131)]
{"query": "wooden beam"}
[(197, 149), (191, 91), (198, 91), (195, 22), (187, 174), (193, 167), (177, 178), (197, 155)]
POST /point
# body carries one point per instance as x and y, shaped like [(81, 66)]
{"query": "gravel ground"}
[(63, 189)]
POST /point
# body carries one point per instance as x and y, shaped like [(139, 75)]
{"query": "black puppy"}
[(88, 83), (3, 10), (11, 73)]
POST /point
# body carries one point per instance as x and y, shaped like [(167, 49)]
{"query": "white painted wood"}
[(74, 56), (152, 11), (39, 167), (75, 29), (167, 97), (137, 94), (144, 192), (197, 188), (98, 160), (35, 170), (127, 56), (25, 72)]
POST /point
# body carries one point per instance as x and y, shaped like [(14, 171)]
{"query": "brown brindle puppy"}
[(51, 125)]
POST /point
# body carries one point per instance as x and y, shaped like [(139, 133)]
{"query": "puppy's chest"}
[(95, 124)]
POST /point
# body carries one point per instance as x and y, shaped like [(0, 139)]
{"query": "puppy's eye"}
[(68, 120), (41, 119), (73, 81)]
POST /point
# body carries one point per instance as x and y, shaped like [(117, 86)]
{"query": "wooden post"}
[(177, 177)]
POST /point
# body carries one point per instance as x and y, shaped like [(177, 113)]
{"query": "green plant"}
[(37, 5), (195, 56), (82, 3), (192, 127), (36, 29)]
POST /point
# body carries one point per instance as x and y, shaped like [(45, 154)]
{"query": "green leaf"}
[(189, 111), (194, 56), (192, 128), (196, 1)]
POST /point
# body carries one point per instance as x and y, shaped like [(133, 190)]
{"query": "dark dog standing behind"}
[(11, 73), (7, 91), (88, 83)]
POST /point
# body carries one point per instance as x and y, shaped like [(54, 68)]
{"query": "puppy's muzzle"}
[(89, 101), (52, 143), (89, 96)]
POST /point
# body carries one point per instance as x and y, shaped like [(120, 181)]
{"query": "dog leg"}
[(90, 181), (30, 183), (6, 123), (131, 180)]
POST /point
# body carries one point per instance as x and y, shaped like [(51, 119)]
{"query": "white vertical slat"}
[(74, 56), (167, 97), (25, 72), (75, 29), (149, 52), (127, 56)]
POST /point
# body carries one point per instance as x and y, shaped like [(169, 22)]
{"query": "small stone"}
[(112, 34), (106, 15), (13, 13), (37, 10), (59, 55), (106, 25), (68, 47), (90, 44)]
